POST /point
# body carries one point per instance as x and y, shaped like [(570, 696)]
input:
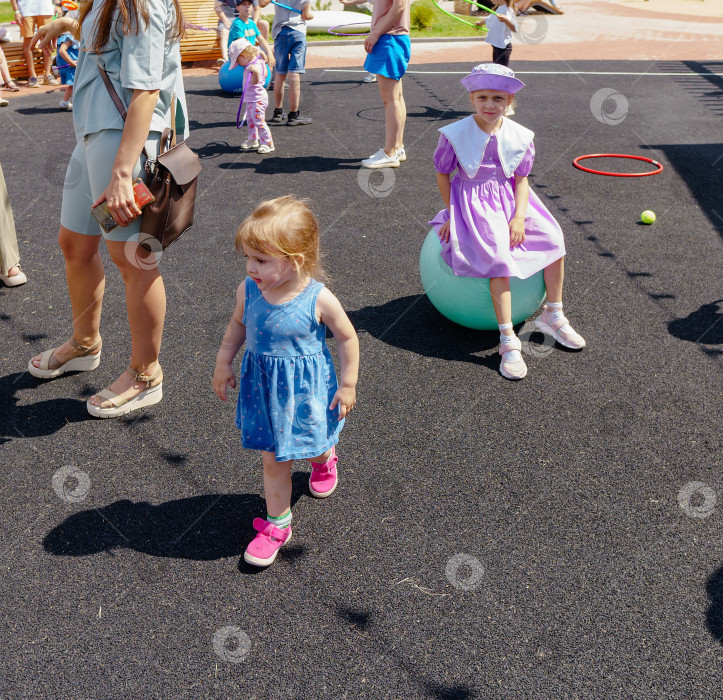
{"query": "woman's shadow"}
[(412, 323), (37, 419), (203, 528), (714, 613)]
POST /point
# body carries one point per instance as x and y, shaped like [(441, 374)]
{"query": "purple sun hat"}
[(492, 76)]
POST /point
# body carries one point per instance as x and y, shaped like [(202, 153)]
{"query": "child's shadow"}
[(412, 323), (701, 326), (214, 526)]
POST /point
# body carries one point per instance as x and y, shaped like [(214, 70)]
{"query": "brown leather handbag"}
[(172, 180)]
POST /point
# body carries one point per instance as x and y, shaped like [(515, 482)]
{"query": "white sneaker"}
[(401, 154), (264, 149), (369, 78), (247, 145), (65, 104), (381, 160)]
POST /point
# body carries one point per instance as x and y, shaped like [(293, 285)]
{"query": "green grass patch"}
[(6, 12), (442, 26)]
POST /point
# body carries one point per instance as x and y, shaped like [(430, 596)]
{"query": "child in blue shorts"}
[(66, 61), (289, 34), (388, 50)]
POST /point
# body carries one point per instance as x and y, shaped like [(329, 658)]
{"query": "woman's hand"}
[(444, 231), (223, 376), (44, 35), (121, 202), (345, 399), (119, 193), (517, 231)]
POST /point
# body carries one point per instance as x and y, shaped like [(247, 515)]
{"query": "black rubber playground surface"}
[(553, 538)]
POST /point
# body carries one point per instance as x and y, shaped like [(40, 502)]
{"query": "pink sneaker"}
[(560, 329), (262, 550), (323, 479)]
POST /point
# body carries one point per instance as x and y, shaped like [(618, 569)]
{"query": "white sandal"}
[(512, 365), (84, 363), (119, 406)]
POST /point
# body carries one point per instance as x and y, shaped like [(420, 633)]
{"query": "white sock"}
[(282, 521), (514, 355)]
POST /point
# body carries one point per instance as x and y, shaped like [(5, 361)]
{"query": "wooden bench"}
[(197, 44), (16, 61)]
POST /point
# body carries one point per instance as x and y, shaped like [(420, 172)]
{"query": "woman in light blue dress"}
[(137, 45)]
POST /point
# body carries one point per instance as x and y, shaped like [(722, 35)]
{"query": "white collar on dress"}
[(469, 143)]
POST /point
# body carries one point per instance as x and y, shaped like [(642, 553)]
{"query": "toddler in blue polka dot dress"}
[(290, 405)]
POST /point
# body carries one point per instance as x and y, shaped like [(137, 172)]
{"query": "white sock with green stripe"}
[(281, 521)]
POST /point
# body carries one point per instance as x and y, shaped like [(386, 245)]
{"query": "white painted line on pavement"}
[(688, 74)]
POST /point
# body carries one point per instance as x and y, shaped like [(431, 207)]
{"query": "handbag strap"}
[(173, 120), (122, 111), (113, 94)]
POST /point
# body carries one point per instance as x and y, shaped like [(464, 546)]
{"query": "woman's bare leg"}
[(86, 284), (146, 306)]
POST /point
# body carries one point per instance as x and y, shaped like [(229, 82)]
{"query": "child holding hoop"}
[(499, 31), (494, 226), (290, 405), (255, 99)]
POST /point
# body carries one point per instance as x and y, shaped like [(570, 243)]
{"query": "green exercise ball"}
[(467, 300)]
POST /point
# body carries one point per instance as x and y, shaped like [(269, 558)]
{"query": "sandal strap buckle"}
[(85, 349), (142, 378)]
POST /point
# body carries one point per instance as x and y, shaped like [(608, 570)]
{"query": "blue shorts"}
[(88, 174), (290, 51), (390, 56), (67, 75)]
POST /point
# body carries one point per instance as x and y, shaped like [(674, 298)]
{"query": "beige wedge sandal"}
[(87, 360), (119, 406)]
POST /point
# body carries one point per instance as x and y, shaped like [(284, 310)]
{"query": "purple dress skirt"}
[(482, 207)]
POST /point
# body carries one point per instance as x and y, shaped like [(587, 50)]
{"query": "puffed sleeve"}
[(524, 168), (143, 54), (445, 160)]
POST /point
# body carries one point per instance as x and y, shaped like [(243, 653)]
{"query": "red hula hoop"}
[(349, 24), (617, 155)]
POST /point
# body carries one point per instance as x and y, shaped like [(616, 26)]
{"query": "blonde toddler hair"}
[(284, 227), (250, 52)]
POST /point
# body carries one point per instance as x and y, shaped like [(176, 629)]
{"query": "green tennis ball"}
[(648, 216)]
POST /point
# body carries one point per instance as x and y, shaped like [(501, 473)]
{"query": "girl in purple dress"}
[(494, 225)]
